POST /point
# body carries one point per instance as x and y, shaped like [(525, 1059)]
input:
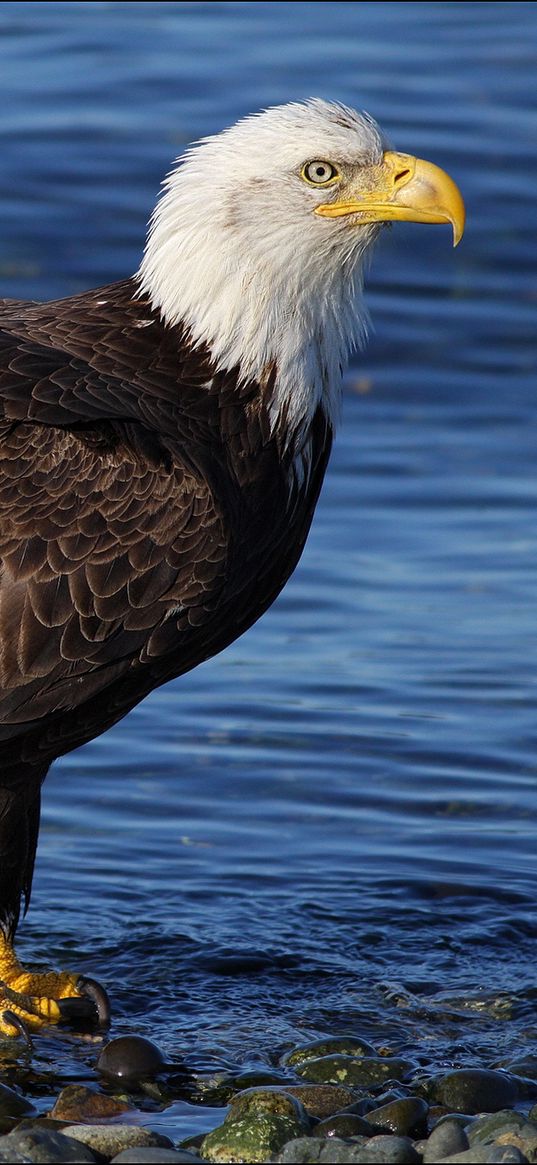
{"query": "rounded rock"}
[(473, 1090), (78, 1103), (272, 1100), (334, 1045), (130, 1058), (403, 1117), (506, 1153), (260, 1121), (388, 1150), (344, 1124), (111, 1139), (351, 1070), (446, 1139), (44, 1147), (322, 1100)]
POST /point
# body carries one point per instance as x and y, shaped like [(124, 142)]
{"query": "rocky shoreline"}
[(332, 1100)]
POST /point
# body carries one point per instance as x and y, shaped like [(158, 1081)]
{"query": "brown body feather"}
[(147, 518)]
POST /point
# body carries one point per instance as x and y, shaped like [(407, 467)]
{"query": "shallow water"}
[(331, 827)]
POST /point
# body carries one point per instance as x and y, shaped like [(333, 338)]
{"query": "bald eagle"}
[(163, 443)]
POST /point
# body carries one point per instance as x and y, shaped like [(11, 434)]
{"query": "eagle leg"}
[(30, 1000), (41, 999)]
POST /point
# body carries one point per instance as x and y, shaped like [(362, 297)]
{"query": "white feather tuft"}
[(236, 254)]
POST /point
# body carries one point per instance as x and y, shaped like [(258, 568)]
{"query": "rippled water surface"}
[(330, 827)]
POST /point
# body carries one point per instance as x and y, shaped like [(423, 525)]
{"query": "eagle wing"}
[(112, 538)]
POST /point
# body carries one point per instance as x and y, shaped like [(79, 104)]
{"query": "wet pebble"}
[(388, 1150), (362, 1071), (44, 1146), (402, 1117), (447, 1138), (129, 1059), (110, 1140), (335, 1045), (473, 1090), (344, 1124), (77, 1103), (322, 1100), (306, 1150)]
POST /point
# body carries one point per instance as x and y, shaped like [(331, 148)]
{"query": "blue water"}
[(332, 826)]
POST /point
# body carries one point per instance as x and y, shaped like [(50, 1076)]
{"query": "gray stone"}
[(43, 1146), (473, 1090), (301, 1151), (403, 1117), (506, 1153), (487, 1129), (149, 1156), (352, 1070), (510, 1129), (110, 1140), (310, 1150), (388, 1150), (447, 1138), (341, 1045)]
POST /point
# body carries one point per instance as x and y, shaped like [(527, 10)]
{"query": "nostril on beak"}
[(402, 174)]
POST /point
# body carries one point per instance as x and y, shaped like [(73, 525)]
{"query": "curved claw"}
[(18, 1023), (97, 997)]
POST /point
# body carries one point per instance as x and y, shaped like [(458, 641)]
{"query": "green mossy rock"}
[(362, 1071), (337, 1045), (259, 1122)]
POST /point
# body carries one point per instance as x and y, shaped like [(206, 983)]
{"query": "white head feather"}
[(236, 254)]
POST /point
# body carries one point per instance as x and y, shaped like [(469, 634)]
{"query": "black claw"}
[(76, 1009), (18, 1023), (96, 995)]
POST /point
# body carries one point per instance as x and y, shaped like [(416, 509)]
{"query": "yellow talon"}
[(33, 998)]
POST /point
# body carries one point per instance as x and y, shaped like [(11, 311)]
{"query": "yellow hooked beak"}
[(405, 189)]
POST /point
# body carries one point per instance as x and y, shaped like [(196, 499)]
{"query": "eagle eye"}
[(319, 173)]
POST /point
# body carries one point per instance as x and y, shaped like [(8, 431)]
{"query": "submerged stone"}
[(362, 1071), (335, 1045), (474, 1090), (259, 1078)]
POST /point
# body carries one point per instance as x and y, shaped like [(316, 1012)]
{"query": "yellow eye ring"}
[(319, 173)]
